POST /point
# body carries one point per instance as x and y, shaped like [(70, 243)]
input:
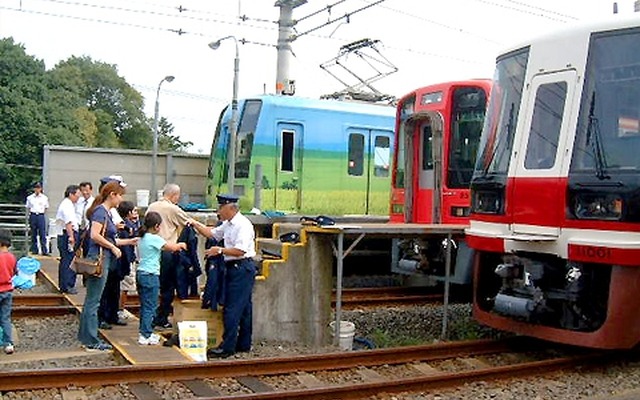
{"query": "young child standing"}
[(7, 270), (129, 259), (148, 274)]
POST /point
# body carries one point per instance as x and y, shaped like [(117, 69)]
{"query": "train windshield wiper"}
[(509, 131), (595, 139)]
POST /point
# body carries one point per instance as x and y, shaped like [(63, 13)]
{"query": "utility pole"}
[(284, 83)]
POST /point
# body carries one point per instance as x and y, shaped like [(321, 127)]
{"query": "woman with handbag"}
[(103, 245)]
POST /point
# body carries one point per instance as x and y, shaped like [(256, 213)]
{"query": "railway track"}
[(344, 375), (56, 304), (381, 296)]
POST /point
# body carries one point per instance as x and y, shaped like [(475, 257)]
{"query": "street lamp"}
[(234, 113), (154, 154)]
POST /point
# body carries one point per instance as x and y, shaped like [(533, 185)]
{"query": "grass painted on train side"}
[(326, 185)]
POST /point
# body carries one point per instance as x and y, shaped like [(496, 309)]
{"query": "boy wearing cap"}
[(37, 204), (238, 252)]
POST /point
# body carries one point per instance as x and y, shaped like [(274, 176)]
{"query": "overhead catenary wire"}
[(346, 16)]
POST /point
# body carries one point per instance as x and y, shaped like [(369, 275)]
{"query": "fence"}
[(15, 218)]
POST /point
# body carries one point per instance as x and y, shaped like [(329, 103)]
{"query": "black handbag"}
[(88, 266)]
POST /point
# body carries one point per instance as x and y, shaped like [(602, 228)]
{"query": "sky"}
[(427, 41)]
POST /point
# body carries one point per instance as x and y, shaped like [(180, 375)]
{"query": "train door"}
[(427, 182), (369, 157), (537, 205), (288, 182)]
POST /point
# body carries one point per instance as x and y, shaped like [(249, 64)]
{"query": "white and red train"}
[(555, 193)]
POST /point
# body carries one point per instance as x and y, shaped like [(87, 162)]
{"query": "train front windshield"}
[(608, 130), (467, 117), (502, 114)]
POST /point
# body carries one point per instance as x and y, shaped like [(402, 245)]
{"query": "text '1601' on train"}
[(555, 215), (438, 130), (317, 156)]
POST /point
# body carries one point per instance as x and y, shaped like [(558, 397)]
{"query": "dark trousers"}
[(237, 312), (66, 276), (37, 223), (110, 299), (168, 285)]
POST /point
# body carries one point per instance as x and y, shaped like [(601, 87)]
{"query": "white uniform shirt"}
[(67, 214), (115, 216), (81, 206), (37, 204), (237, 233)]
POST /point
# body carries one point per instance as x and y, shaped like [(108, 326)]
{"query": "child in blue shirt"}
[(148, 274)]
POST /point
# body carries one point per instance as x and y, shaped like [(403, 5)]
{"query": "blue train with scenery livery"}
[(317, 156)]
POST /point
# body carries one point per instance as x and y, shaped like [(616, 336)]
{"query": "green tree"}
[(167, 141), (24, 125), (98, 87), (80, 102)]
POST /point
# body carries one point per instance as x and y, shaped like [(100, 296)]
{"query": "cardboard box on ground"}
[(189, 310)]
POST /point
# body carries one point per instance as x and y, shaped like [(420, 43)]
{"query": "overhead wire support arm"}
[(346, 16), (327, 8)]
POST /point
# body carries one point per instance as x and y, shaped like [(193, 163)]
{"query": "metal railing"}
[(15, 218)]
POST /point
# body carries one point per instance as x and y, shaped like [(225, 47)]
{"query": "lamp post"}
[(234, 113), (154, 154)]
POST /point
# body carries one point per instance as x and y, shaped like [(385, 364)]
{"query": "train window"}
[(502, 114), (286, 158), (245, 135), (381, 154), (356, 154), (545, 126), (608, 129), (469, 104), (427, 148), (431, 98)]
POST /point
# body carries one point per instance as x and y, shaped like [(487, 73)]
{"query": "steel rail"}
[(39, 300), (42, 311), (48, 378), (360, 390)]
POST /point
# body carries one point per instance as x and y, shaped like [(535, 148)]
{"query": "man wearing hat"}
[(37, 204), (238, 252)]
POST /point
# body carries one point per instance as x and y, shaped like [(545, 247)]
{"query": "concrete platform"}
[(123, 338)]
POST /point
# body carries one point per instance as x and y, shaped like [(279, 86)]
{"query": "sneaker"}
[(165, 325), (100, 346), (152, 340), (125, 315), (104, 325), (8, 349)]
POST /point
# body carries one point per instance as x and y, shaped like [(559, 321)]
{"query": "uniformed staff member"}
[(238, 251), (37, 203)]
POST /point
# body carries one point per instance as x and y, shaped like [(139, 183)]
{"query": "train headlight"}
[(459, 211), (598, 206), (397, 208), (487, 202)]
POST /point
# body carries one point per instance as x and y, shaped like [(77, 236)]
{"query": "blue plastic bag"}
[(21, 282), (28, 265), (27, 268)]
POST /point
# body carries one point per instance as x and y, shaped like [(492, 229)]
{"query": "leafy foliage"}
[(80, 102)]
